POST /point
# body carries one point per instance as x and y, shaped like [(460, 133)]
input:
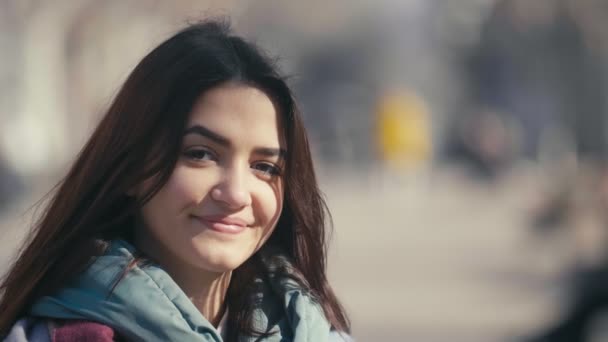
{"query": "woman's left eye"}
[(267, 169)]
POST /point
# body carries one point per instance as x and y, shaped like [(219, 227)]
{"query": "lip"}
[(223, 224)]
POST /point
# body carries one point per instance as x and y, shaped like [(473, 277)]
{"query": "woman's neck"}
[(207, 290)]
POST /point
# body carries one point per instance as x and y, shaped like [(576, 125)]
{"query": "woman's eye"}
[(267, 169), (198, 154)]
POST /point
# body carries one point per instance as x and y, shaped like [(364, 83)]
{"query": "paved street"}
[(435, 258)]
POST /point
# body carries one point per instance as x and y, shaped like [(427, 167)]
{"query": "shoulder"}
[(33, 329), (29, 329)]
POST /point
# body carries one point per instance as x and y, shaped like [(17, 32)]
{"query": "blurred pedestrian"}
[(403, 131)]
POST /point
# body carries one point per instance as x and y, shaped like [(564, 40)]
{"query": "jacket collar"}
[(147, 305)]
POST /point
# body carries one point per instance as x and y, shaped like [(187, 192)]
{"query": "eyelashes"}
[(267, 169), (204, 155), (199, 154)]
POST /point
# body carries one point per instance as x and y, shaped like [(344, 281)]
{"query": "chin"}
[(219, 261)]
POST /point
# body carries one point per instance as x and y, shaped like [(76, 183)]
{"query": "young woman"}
[(192, 213)]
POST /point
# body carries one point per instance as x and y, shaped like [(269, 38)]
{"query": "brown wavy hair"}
[(139, 138)]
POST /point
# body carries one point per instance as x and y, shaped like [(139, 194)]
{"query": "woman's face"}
[(225, 195)]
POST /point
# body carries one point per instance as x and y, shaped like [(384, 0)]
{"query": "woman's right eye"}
[(198, 154)]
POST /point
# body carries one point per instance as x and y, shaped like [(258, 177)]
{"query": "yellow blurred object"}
[(403, 129)]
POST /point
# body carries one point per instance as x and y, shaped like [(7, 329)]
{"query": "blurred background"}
[(462, 145)]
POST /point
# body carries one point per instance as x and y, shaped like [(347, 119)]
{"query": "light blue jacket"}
[(147, 305)]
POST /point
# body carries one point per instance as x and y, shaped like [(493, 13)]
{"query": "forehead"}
[(241, 113)]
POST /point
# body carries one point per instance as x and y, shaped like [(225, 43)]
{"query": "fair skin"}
[(224, 197)]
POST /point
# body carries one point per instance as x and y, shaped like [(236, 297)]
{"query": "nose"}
[(232, 190)]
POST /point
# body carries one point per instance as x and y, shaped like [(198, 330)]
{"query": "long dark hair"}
[(139, 138)]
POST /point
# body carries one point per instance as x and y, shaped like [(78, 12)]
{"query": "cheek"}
[(269, 208), (187, 186), (183, 190)]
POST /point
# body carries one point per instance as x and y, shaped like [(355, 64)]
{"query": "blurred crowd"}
[(537, 81)]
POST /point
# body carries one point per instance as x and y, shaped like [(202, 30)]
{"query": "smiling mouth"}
[(222, 224)]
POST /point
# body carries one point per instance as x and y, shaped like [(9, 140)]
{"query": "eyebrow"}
[(207, 133), (221, 140)]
